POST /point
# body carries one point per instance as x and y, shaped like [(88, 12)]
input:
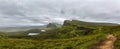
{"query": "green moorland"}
[(71, 35)]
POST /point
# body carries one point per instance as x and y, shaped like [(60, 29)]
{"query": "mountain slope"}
[(82, 23), (71, 35)]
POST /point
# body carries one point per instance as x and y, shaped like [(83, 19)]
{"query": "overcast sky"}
[(40, 12)]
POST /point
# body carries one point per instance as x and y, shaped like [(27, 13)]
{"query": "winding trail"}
[(106, 44)]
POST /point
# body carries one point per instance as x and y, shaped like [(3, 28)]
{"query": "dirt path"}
[(106, 44)]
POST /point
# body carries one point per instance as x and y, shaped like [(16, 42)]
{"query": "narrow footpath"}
[(106, 44)]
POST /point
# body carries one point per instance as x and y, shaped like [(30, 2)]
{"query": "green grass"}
[(117, 43), (82, 42), (72, 35)]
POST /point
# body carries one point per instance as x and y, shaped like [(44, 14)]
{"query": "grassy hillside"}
[(72, 35), (91, 24), (82, 42)]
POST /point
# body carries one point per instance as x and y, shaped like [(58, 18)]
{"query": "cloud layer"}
[(40, 12)]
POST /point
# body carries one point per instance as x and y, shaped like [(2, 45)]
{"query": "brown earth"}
[(106, 44)]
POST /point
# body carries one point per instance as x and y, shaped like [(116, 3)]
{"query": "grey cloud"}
[(39, 12)]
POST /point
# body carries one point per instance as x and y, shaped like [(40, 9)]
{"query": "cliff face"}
[(67, 22)]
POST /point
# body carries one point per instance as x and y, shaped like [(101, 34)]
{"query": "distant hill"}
[(56, 25), (82, 23), (23, 28), (53, 25)]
